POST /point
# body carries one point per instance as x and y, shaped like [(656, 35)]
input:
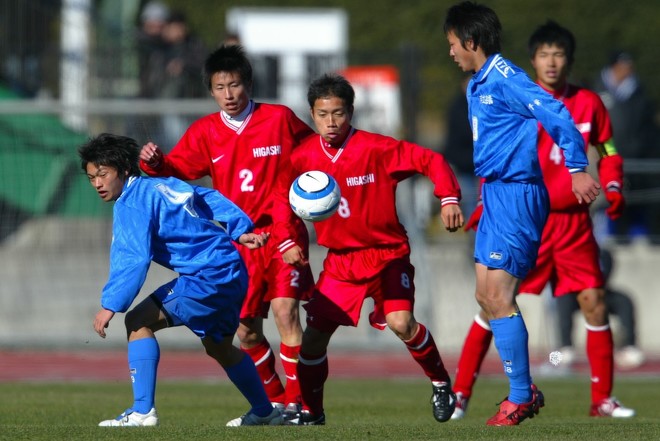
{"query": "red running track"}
[(53, 366)]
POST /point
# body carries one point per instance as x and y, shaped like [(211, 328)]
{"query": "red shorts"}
[(270, 277), (348, 278), (568, 257)]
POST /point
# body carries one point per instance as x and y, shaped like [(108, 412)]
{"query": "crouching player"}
[(190, 230)]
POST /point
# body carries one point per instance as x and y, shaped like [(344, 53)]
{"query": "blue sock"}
[(510, 336), (143, 356), (245, 378)]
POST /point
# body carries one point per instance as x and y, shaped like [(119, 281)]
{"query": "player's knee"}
[(133, 321), (402, 324)]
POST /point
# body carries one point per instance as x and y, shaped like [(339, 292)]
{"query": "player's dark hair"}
[(119, 152), (551, 33), (230, 58), (330, 85), (477, 23)]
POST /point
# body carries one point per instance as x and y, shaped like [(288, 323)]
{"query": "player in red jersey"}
[(242, 148), (368, 248), (569, 256)]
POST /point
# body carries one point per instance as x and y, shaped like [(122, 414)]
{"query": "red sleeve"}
[(413, 158), (283, 233), (188, 160), (610, 171)]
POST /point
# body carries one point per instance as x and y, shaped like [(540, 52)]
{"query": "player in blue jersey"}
[(190, 230), (505, 107)]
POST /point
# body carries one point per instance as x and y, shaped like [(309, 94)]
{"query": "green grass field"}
[(355, 410)]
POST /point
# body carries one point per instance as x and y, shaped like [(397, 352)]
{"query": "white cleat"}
[(461, 407), (131, 418), (610, 407)]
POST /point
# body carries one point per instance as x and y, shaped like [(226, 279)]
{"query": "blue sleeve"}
[(130, 258), (235, 221), (529, 99)]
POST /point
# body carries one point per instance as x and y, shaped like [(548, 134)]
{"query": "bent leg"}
[(241, 371), (254, 343)]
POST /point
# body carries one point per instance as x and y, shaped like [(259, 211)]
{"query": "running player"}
[(505, 107), (171, 223), (242, 148), (569, 255), (368, 249)]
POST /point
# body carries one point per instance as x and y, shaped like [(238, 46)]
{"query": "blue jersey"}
[(172, 223), (505, 106)]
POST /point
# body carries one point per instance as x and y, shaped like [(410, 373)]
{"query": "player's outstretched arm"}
[(253, 240), (452, 217), (151, 154), (585, 188)]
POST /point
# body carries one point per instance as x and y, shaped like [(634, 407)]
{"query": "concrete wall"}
[(52, 272)]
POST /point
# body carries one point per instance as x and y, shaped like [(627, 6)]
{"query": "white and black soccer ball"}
[(314, 196)]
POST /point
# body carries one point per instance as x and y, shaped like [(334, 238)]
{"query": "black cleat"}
[(304, 418), (444, 402)]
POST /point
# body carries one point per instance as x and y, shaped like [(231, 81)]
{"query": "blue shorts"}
[(509, 232), (208, 303)]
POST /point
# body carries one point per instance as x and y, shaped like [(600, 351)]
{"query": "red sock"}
[(289, 357), (423, 349), (263, 359), (312, 372), (476, 345), (600, 350)]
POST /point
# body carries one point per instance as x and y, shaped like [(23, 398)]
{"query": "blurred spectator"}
[(183, 58), (231, 39), (150, 44), (635, 136), (171, 61), (619, 303)]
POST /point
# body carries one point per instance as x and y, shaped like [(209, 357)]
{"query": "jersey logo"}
[(184, 199), (486, 99), (353, 181), (214, 160), (504, 68), (271, 150)]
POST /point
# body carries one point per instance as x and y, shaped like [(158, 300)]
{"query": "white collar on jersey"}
[(237, 120)]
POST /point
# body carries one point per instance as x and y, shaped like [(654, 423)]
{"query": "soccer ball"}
[(314, 196)]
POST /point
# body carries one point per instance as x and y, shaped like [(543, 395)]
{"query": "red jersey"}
[(593, 122), (368, 168), (243, 162)]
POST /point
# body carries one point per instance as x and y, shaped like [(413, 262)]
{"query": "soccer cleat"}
[(461, 407), (443, 401), (250, 419), (304, 418), (512, 414), (130, 418), (291, 410), (610, 407)]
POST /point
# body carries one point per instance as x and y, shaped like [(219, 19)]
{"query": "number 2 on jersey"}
[(246, 178)]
